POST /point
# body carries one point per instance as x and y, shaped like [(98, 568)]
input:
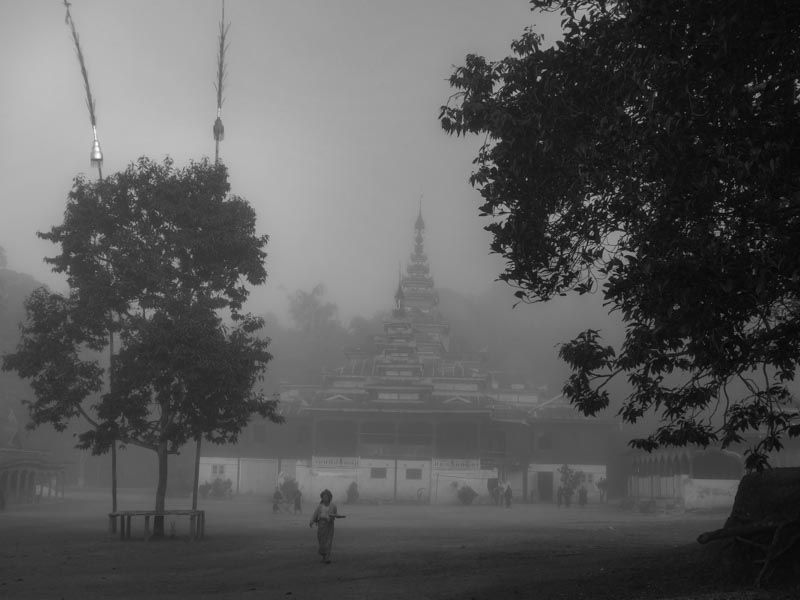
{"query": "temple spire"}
[(398, 295), (420, 224)]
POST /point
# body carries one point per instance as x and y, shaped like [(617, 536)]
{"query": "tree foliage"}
[(311, 314), (652, 155), (155, 257)]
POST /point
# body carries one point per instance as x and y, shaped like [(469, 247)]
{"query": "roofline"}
[(339, 409)]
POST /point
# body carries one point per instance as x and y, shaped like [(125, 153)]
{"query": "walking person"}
[(277, 498), (298, 502), (324, 518)]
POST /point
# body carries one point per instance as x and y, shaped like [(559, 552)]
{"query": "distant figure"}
[(582, 496), (560, 496), (324, 518), (494, 487), (507, 495), (277, 498), (499, 493), (602, 485), (298, 503)]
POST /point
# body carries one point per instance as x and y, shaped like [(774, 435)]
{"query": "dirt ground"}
[(61, 549)]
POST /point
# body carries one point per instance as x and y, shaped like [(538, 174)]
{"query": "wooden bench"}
[(197, 521)]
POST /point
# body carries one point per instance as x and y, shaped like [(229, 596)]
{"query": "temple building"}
[(408, 419), (26, 475)]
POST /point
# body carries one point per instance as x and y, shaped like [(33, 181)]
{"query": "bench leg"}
[(128, 527), (147, 533)]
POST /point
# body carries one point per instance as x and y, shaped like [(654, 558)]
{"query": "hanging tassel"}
[(97, 155), (219, 130)]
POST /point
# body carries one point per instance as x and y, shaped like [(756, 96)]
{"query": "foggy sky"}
[(330, 116)]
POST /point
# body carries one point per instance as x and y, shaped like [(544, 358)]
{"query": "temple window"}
[(398, 396), (377, 473), (413, 473)]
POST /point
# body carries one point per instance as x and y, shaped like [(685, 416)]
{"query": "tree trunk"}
[(114, 478), (114, 443), (764, 526), (196, 473), (773, 494), (161, 490)]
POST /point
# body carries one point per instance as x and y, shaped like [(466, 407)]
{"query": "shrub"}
[(217, 489), (289, 488), (466, 495)]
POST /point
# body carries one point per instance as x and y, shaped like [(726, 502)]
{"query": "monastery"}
[(406, 419)]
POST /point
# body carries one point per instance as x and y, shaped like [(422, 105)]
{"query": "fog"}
[(331, 133), (395, 552), (330, 117)]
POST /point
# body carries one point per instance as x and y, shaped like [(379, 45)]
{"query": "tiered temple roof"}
[(410, 367)]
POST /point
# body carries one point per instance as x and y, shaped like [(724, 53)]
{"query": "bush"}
[(571, 480), (217, 489), (289, 488), (466, 495)]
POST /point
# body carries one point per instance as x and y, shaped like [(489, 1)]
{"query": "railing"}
[(197, 521), (333, 462), (437, 464), (367, 449), (456, 464)]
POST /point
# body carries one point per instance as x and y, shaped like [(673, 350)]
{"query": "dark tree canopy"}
[(155, 257), (653, 155)]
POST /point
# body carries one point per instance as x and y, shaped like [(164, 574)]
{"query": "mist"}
[(331, 128), (332, 135)]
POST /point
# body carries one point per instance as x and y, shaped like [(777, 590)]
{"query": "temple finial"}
[(420, 224), (398, 295)]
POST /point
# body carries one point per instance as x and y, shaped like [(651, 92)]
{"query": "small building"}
[(690, 478), (26, 475)]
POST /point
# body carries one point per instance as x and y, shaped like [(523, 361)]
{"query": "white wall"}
[(212, 468), (692, 493), (436, 485), (709, 493), (370, 488), (413, 489), (257, 476), (248, 475)]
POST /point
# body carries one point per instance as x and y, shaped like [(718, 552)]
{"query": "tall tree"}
[(653, 155), (158, 255), (311, 314)]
